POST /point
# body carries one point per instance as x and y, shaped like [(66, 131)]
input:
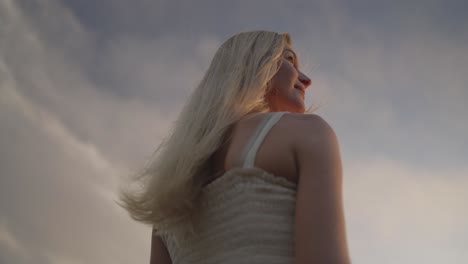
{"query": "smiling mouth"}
[(302, 91), (300, 88)]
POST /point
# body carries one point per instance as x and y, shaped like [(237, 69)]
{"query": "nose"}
[(306, 81)]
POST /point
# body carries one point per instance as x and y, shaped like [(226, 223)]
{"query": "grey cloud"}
[(47, 73), (187, 18), (54, 184)]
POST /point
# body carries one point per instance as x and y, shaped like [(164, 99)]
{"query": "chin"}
[(299, 110), (292, 106), (297, 106)]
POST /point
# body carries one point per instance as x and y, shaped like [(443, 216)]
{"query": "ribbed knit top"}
[(247, 215)]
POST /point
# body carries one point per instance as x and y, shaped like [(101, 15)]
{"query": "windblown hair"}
[(234, 85)]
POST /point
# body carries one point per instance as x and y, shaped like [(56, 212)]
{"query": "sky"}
[(88, 89)]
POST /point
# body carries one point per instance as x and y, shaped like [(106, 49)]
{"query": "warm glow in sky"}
[(89, 88)]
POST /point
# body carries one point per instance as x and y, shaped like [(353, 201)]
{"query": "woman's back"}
[(257, 211), (247, 213), (274, 154)]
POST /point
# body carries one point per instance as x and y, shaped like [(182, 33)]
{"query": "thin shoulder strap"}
[(259, 136)]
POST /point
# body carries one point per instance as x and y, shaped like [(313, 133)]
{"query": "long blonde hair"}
[(234, 85)]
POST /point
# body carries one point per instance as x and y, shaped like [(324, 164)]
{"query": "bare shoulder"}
[(320, 224), (314, 143), (309, 129)]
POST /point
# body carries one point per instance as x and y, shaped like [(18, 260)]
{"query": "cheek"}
[(289, 72), (286, 76)]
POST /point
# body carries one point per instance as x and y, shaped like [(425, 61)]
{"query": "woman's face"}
[(288, 85)]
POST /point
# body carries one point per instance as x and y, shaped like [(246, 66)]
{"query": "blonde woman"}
[(245, 176)]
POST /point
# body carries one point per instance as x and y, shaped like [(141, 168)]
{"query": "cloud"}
[(386, 90), (48, 73), (393, 207), (51, 189), (55, 182), (8, 240)]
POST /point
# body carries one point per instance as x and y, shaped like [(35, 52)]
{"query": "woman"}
[(246, 176)]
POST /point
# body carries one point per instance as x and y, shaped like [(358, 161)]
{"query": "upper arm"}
[(319, 223), (159, 253)]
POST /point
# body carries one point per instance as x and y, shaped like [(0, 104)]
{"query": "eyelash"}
[(291, 59)]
